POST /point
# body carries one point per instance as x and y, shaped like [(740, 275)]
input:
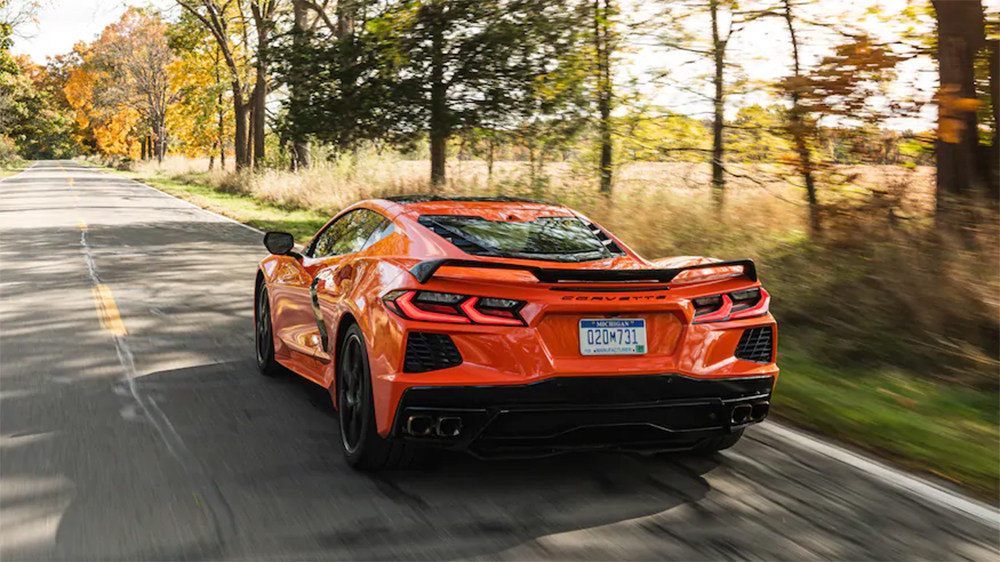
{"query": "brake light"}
[(505, 317), (732, 306), (758, 309), (430, 312), (429, 306)]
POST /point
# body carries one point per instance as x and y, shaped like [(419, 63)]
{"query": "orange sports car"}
[(512, 327)]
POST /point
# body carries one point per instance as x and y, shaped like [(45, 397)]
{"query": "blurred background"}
[(850, 148)]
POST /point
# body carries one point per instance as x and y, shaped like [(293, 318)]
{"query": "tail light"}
[(450, 308), (732, 306)]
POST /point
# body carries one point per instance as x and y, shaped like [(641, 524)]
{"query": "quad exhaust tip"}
[(421, 425), (759, 411), (741, 414), (746, 413), (448, 426)]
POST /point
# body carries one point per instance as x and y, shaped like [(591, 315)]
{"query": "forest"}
[(852, 151)]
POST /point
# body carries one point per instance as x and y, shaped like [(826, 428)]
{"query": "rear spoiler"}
[(424, 270)]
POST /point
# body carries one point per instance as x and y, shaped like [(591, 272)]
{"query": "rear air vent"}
[(430, 352), (756, 345), (605, 239), (461, 243)]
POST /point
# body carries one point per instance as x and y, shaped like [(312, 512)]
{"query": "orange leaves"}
[(116, 136)]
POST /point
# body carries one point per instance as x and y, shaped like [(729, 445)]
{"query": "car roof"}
[(491, 208), (427, 197)]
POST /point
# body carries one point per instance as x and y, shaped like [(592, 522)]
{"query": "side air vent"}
[(756, 344), (430, 352)]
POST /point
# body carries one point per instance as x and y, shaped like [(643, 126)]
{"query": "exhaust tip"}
[(741, 414), (449, 426), (420, 426), (759, 411)]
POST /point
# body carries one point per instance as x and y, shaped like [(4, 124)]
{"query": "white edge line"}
[(921, 488), (916, 486), (188, 203)]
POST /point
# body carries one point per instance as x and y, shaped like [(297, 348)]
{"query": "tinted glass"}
[(347, 234), (550, 238)]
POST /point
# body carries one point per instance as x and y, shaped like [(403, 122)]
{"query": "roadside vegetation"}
[(799, 133)]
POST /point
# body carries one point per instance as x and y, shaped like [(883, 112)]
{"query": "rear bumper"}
[(559, 414)]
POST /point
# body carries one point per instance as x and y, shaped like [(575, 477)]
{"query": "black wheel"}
[(263, 335), (363, 447), (713, 445)]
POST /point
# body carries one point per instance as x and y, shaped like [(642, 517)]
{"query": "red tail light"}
[(732, 306), (428, 306)]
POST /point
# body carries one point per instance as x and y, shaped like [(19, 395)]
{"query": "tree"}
[(263, 17), (678, 32), (133, 56), (29, 117), (430, 67), (604, 44), (960, 36), (201, 118), (230, 27), (799, 125)]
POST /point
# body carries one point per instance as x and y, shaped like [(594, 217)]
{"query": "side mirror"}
[(279, 243)]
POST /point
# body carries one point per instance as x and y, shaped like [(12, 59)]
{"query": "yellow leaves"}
[(114, 138)]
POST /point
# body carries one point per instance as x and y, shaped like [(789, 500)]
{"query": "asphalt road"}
[(134, 426)]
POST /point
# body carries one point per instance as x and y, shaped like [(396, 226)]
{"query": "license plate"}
[(613, 336)]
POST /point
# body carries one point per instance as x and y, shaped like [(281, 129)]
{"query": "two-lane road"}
[(133, 425)]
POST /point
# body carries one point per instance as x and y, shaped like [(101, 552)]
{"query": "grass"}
[(10, 168), (946, 431), (862, 299)]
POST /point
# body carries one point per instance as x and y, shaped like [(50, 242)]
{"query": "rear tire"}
[(264, 334), (364, 449), (713, 445)]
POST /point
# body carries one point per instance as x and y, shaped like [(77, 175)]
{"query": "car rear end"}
[(517, 357)]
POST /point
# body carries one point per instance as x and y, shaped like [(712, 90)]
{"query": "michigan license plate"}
[(613, 336)]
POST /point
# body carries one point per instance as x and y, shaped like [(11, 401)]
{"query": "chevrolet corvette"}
[(512, 328)]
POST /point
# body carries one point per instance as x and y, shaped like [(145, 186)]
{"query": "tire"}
[(264, 334), (713, 445), (364, 449)]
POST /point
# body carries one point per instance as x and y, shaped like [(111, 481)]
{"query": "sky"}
[(63, 23), (761, 50)]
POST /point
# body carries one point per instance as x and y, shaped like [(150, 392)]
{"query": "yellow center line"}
[(107, 310), (82, 225)]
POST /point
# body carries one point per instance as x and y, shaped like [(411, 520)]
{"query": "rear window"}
[(545, 238)]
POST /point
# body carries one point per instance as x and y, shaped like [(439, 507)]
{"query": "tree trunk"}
[(259, 99), (142, 149), (489, 161), (240, 135), (718, 50), (439, 125), (991, 156), (300, 144), (960, 35), (798, 130), (161, 138), (602, 51)]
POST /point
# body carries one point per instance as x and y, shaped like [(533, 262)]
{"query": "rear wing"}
[(424, 270)]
